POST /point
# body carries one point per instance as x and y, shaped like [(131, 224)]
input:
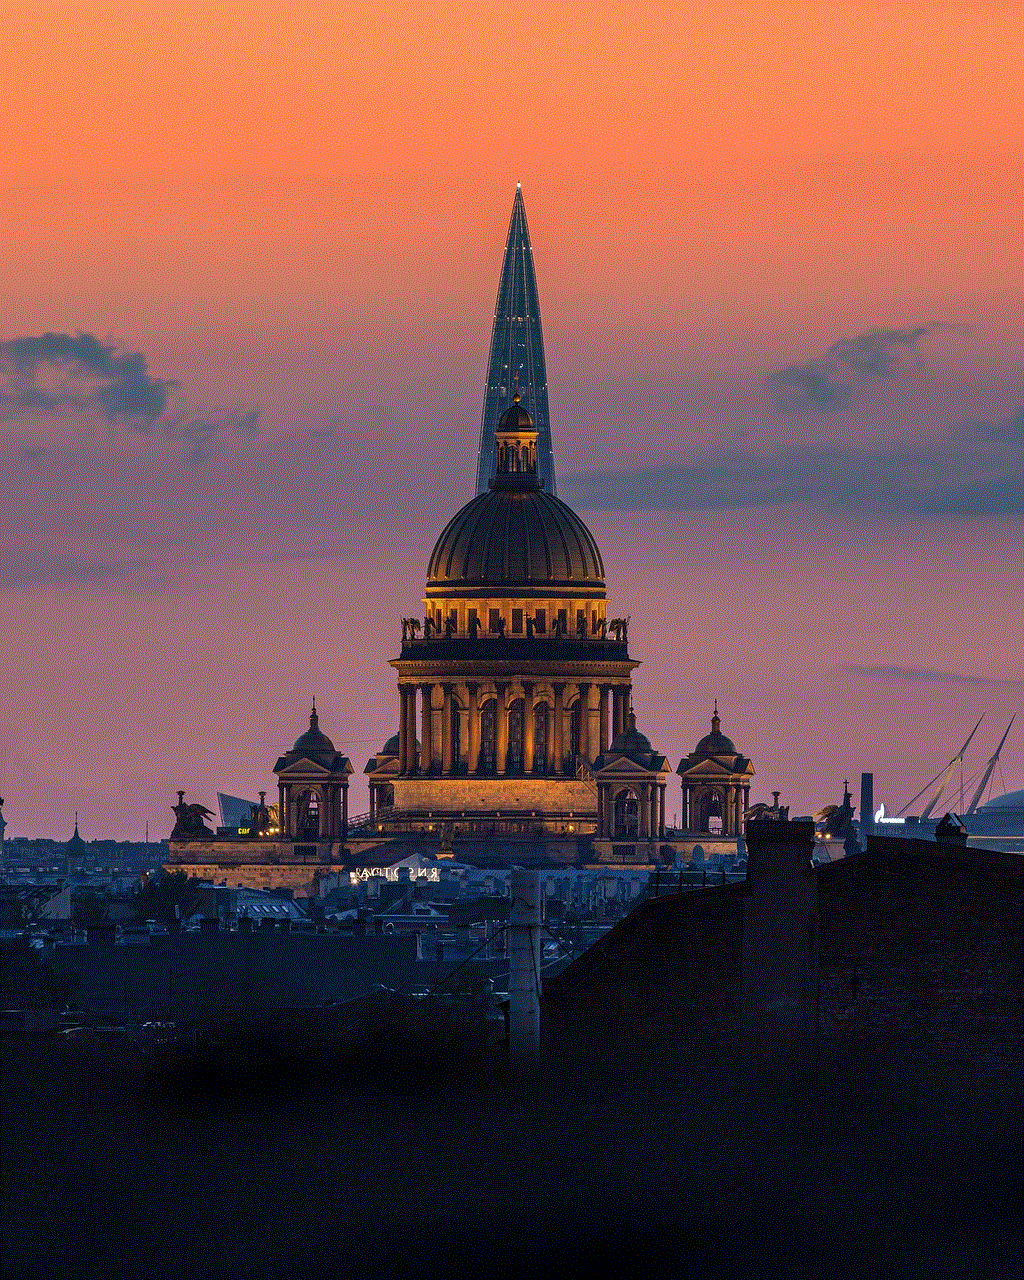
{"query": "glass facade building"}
[(517, 352)]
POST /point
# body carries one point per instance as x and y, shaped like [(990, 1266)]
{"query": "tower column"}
[(427, 729), (473, 727), (405, 749), (602, 715), (619, 695), (344, 810), (437, 727), (447, 744), (652, 826), (558, 730), (500, 729), (282, 815), (529, 726), (584, 706), (645, 811)]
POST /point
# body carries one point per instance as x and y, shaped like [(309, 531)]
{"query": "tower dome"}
[(314, 743), (715, 743)]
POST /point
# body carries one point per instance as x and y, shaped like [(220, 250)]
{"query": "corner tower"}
[(516, 360)]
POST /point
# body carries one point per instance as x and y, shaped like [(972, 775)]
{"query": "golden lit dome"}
[(516, 542)]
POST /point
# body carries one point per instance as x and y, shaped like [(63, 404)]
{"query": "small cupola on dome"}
[(515, 439), (715, 743), (314, 742)]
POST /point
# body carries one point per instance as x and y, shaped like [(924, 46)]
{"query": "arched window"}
[(307, 816), (540, 737), (487, 734), (711, 814), (627, 814), (515, 735)]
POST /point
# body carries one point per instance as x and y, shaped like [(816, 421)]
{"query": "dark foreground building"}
[(906, 956)]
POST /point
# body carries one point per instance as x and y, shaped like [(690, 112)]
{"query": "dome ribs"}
[(508, 539)]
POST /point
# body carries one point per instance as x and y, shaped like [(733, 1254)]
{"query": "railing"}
[(668, 883)]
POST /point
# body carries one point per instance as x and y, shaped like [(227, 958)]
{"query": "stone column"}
[(558, 729), (282, 814), (473, 727), (529, 726), (344, 811), (619, 709), (500, 727), (602, 820), (661, 811), (584, 705), (645, 811), (406, 729), (403, 728), (436, 727), (602, 715), (446, 730), (373, 802), (426, 729), (653, 831)]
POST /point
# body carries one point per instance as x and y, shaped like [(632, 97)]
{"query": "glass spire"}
[(517, 348)]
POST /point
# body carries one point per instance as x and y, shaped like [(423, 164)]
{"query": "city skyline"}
[(248, 293)]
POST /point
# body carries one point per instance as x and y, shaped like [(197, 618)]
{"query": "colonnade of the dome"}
[(497, 727)]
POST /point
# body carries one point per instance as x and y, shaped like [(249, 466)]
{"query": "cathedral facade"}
[(517, 741)]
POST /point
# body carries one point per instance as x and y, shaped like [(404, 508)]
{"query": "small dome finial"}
[(312, 714), (716, 723)]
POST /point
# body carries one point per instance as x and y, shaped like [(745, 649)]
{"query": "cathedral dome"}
[(516, 541)]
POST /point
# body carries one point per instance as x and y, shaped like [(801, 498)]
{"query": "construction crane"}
[(988, 769), (943, 778)]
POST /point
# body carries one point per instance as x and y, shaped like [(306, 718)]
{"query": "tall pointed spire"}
[(517, 348)]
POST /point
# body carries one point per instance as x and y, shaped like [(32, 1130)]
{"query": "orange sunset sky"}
[(778, 249)]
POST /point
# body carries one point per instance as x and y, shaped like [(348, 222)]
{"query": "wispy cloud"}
[(973, 472), (920, 675), (826, 384), (55, 373)]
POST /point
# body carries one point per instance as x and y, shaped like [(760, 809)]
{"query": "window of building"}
[(494, 622), (541, 622), (563, 621), (517, 621), (627, 815)]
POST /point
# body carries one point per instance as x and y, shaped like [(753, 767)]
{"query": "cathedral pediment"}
[(713, 770)]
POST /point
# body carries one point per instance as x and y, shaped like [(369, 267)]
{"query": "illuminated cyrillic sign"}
[(391, 873)]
